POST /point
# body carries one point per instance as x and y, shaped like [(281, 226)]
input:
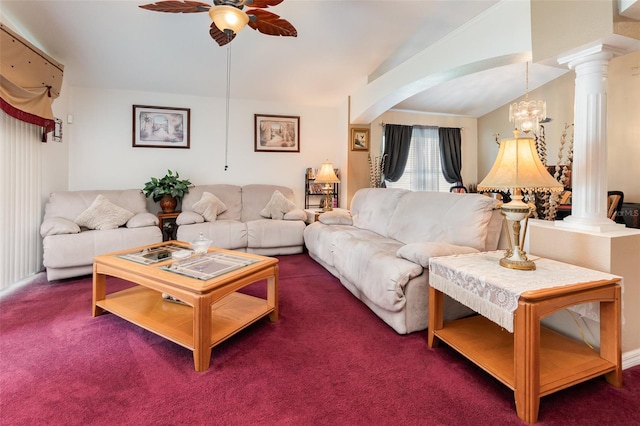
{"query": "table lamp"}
[(518, 168), (328, 177)]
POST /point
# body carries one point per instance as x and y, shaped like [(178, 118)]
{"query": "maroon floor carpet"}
[(328, 361)]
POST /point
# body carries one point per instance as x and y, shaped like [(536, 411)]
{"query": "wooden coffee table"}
[(212, 309)]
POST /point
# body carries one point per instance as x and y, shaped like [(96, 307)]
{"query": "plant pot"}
[(168, 204)]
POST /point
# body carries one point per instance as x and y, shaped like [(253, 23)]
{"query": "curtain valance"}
[(29, 81)]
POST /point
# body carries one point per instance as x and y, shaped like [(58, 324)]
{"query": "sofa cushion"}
[(369, 259), (229, 195), (70, 204), (277, 206), (57, 226), (209, 206), (459, 219), (256, 196), (420, 253), (373, 208), (226, 234), (74, 250), (103, 214), (263, 233)]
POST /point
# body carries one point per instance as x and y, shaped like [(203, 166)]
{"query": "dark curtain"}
[(397, 139), (451, 154)]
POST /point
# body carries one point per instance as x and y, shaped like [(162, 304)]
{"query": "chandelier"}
[(526, 115)]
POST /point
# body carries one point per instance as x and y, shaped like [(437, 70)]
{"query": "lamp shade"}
[(228, 18), (326, 174), (518, 166)]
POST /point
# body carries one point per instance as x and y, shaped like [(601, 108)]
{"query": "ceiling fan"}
[(229, 18)]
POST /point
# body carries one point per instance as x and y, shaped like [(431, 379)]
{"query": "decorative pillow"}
[(278, 206), (57, 226), (295, 214), (209, 206), (143, 219), (103, 214), (421, 252), (336, 217), (188, 218)]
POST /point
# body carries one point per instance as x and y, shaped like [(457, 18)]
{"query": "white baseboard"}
[(630, 359)]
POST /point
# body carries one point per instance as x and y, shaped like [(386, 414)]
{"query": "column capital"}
[(596, 52)]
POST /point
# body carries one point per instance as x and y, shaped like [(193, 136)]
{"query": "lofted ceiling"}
[(341, 43)]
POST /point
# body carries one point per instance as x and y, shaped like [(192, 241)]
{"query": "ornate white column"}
[(589, 167)]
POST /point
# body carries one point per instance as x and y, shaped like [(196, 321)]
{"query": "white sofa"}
[(241, 226), (380, 249), (69, 246)]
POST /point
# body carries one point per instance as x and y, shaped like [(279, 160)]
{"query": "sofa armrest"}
[(420, 253), (189, 218), (295, 214), (336, 217), (142, 219), (57, 226)]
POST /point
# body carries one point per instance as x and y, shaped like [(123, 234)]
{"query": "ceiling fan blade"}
[(220, 37), (262, 3), (175, 6), (271, 24)]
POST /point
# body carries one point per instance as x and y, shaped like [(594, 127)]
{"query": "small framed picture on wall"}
[(359, 139)]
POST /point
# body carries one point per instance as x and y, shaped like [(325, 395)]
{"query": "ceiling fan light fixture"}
[(228, 18)]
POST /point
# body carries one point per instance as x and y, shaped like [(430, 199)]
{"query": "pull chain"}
[(226, 131)]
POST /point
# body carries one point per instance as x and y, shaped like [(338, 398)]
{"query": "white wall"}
[(101, 156)]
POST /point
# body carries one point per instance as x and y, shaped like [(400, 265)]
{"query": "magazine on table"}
[(209, 265), (150, 256)]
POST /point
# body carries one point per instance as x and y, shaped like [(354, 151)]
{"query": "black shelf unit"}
[(314, 194)]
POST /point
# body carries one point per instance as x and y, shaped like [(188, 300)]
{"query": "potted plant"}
[(168, 190)]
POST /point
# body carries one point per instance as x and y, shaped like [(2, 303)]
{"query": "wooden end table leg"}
[(610, 337), (99, 292), (436, 316), (202, 334), (526, 348), (272, 294)]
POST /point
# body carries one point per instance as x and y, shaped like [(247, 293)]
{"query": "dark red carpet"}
[(329, 361)]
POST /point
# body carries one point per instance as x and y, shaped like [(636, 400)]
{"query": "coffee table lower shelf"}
[(563, 361), (147, 309)]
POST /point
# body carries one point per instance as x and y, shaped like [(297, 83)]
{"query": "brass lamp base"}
[(327, 199), (516, 262), (516, 211)]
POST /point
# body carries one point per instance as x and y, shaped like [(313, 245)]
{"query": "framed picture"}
[(359, 139), (161, 127), (276, 133)]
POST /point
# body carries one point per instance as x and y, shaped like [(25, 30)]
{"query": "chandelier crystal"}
[(526, 115)]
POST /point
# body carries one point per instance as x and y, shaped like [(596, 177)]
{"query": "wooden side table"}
[(167, 224), (533, 360)]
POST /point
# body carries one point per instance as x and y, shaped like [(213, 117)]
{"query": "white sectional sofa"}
[(380, 249), (242, 223), (119, 219)]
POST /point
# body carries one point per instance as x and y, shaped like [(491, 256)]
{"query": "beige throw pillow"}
[(278, 206), (103, 214), (209, 206)]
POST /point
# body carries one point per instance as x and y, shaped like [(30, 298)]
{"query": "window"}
[(423, 171)]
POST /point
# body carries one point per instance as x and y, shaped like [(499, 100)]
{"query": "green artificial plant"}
[(170, 184)]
